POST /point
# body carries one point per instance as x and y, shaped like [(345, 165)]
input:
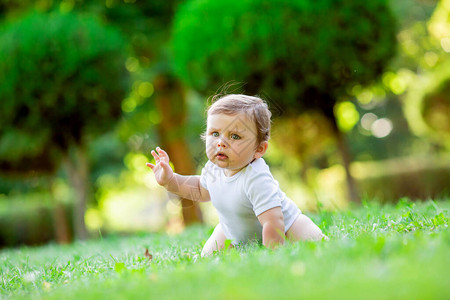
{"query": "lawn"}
[(397, 251)]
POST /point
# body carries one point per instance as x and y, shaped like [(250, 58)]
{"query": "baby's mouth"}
[(221, 156)]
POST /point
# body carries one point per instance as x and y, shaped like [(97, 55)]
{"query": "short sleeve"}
[(263, 192)]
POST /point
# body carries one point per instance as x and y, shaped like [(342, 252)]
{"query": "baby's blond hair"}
[(253, 107)]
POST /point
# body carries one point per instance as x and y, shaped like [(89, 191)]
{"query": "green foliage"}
[(27, 220), (12, 6), (62, 77), (436, 107), (427, 106), (291, 50), (374, 252), (145, 23), (414, 177), (421, 66)]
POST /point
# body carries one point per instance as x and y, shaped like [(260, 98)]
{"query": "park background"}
[(360, 95)]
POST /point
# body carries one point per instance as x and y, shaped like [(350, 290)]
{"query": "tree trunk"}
[(346, 160), (60, 220), (60, 224), (170, 101), (77, 170), (343, 150)]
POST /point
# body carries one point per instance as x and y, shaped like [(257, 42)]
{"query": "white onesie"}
[(239, 199)]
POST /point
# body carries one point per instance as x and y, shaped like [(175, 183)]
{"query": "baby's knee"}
[(304, 229), (206, 252), (215, 242), (210, 247)]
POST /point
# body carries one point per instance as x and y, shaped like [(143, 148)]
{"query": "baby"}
[(237, 180)]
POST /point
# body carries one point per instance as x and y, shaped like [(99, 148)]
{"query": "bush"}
[(28, 220), (62, 78), (415, 178), (436, 108), (285, 48)]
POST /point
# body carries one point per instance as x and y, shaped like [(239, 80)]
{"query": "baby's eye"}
[(215, 134), (235, 136)]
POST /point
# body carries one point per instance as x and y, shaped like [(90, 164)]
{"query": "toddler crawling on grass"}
[(237, 180)]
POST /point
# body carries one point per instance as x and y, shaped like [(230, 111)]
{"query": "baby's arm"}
[(272, 222), (187, 187)]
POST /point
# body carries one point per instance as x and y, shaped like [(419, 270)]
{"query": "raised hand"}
[(162, 170)]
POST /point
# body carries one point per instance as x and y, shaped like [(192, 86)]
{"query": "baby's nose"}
[(221, 143)]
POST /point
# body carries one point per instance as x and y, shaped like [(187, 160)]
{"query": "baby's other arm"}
[(187, 187), (272, 222)]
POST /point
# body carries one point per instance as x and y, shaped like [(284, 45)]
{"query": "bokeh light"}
[(381, 127), (132, 64), (145, 89), (445, 44), (347, 115), (367, 120)]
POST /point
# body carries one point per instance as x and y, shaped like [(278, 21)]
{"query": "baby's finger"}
[(155, 156), (162, 152), (150, 165)]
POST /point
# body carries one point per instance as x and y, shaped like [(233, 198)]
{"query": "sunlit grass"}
[(374, 252)]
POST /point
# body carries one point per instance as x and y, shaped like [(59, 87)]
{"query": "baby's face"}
[(230, 141)]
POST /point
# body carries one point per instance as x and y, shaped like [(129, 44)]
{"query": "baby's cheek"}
[(210, 149)]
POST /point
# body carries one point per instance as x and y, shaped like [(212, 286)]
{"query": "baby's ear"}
[(261, 149)]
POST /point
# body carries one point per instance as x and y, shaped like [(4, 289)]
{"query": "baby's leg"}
[(304, 229), (215, 242)]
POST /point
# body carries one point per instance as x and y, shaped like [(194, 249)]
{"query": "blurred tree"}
[(62, 81), (306, 137), (421, 67), (430, 104), (436, 108), (304, 54), (147, 23), (146, 26)]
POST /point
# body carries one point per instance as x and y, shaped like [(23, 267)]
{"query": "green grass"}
[(387, 252)]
